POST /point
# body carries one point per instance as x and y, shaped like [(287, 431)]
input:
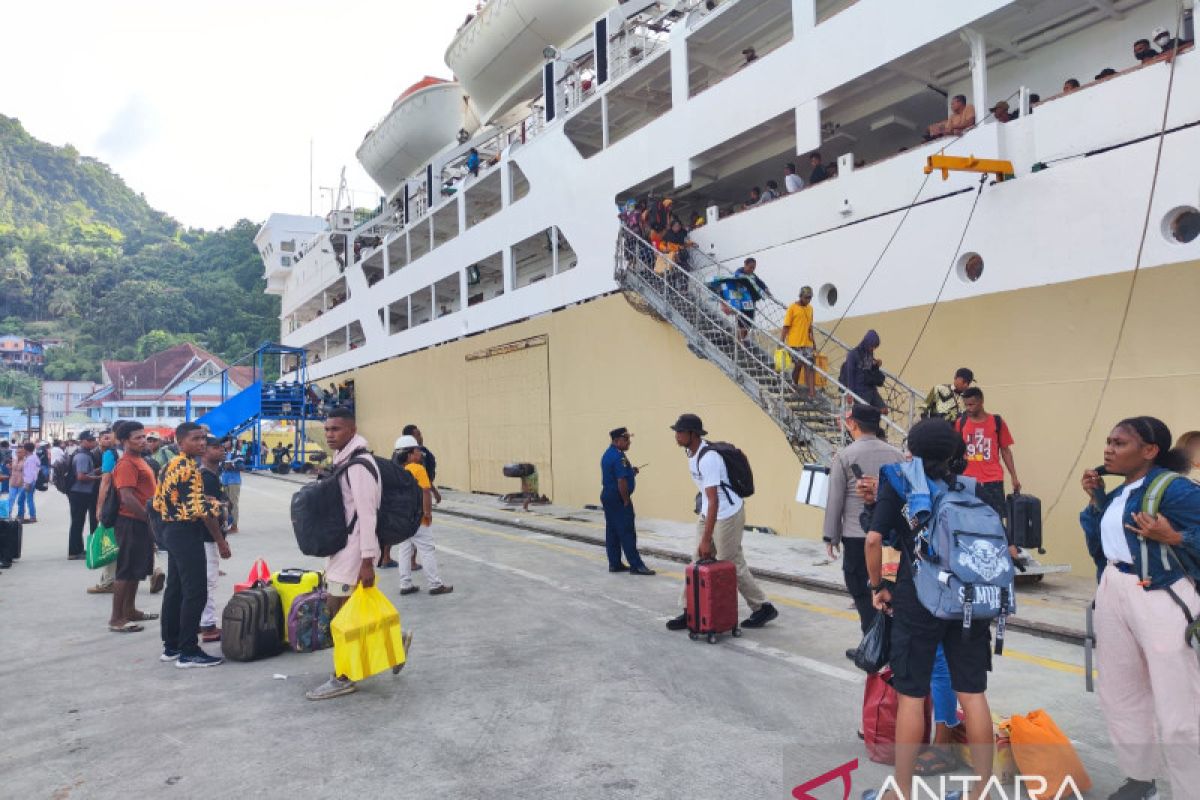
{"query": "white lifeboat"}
[(497, 55), (423, 120)]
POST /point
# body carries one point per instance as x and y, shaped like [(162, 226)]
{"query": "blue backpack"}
[(962, 569)]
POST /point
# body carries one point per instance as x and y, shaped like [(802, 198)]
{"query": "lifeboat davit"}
[(498, 54), (424, 120)]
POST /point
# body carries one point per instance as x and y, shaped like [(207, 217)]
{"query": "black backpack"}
[(319, 517), (62, 474), (741, 477), (401, 501)]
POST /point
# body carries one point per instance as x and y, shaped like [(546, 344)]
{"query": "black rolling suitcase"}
[(11, 531), (1025, 521), (252, 624)]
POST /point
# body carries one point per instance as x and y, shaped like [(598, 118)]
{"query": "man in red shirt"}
[(133, 480), (988, 443)]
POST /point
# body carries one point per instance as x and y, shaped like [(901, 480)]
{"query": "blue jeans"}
[(619, 532), (945, 701), (20, 497)]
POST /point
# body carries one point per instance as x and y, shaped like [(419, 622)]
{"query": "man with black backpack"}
[(722, 475)]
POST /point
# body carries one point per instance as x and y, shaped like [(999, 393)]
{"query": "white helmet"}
[(406, 443)]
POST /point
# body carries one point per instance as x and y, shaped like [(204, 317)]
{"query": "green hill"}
[(84, 257)]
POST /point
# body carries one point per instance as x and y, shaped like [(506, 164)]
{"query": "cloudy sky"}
[(208, 108)]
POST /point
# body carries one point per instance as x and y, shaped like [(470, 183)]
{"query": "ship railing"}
[(902, 400), (813, 425)]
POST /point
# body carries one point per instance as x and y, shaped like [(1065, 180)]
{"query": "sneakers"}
[(100, 588), (334, 687), (157, 581), (169, 654), (1135, 790), (410, 590), (198, 659), (677, 623), (765, 614), (443, 589)]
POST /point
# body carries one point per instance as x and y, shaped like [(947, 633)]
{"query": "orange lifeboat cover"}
[(424, 83)]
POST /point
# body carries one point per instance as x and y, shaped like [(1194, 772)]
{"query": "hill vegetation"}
[(85, 258)]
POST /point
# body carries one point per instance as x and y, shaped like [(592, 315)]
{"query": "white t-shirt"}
[(711, 472), (1112, 526), (56, 454), (793, 183)]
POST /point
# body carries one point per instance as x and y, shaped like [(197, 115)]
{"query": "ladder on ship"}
[(261, 401), (682, 298)]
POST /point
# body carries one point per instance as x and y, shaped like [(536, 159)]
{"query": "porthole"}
[(829, 295), (970, 267), (1181, 225)]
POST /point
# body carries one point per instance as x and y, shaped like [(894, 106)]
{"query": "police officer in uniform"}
[(618, 478)]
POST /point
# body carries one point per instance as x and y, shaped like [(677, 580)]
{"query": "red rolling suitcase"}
[(712, 599)]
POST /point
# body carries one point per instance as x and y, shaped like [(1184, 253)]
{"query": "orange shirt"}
[(132, 472), (418, 472)]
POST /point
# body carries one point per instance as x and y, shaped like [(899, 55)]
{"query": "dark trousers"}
[(858, 581), (83, 509), (619, 532), (993, 494), (187, 586)]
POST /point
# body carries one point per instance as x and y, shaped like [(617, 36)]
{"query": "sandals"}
[(935, 760), (144, 616), (128, 627)]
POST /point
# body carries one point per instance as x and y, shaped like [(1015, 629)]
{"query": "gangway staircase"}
[(682, 297), (262, 401)]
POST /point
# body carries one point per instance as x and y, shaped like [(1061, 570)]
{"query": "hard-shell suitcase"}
[(11, 533), (712, 599), (252, 625), (1024, 514), (291, 583), (308, 622), (880, 705)]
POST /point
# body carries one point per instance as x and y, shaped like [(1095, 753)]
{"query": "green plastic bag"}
[(101, 547)]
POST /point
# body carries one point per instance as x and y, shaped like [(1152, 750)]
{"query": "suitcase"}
[(291, 583), (880, 705), (11, 534), (1024, 513), (308, 622), (252, 625), (712, 599)]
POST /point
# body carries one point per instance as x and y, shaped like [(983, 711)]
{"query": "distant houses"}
[(22, 352)]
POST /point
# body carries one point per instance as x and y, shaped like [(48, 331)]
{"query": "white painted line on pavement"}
[(792, 659)]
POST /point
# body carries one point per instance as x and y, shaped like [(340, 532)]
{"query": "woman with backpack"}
[(916, 633), (1145, 539)]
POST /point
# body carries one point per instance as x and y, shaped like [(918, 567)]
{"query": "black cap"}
[(689, 423), (212, 441), (966, 374), (865, 415), (87, 436), (617, 433)]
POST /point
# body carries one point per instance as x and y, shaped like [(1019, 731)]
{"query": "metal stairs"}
[(681, 297)]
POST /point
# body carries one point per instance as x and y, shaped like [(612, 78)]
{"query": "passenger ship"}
[(482, 304)]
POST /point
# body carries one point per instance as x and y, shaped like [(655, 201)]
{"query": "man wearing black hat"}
[(844, 508), (82, 496), (722, 520), (617, 481), (945, 400)]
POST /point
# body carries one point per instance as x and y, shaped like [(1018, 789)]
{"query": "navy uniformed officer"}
[(618, 478)]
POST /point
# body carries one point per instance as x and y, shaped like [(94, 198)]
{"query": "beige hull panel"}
[(1040, 354)]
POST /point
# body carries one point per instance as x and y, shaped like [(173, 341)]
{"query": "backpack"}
[(319, 517), (962, 569), (737, 466), (62, 474), (401, 500)]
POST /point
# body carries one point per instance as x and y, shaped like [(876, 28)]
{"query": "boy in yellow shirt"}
[(408, 452), (797, 334)]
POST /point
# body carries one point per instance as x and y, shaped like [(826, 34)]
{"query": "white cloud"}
[(208, 109)]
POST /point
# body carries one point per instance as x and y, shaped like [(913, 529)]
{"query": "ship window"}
[(1182, 225), (485, 279), (398, 316), (829, 295), (970, 267), (445, 223), (519, 184), (566, 254), (532, 258), (447, 297), (421, 308), (289, 246), (482, 197), (418, 239), (285, 260)]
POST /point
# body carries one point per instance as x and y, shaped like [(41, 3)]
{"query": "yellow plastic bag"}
[(783, 361), (366, 635)]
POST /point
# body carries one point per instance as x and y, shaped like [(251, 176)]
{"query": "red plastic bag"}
[(258, 572), (880, 705)]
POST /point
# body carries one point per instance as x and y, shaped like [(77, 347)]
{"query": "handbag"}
[(876, 646), (101, 547)]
